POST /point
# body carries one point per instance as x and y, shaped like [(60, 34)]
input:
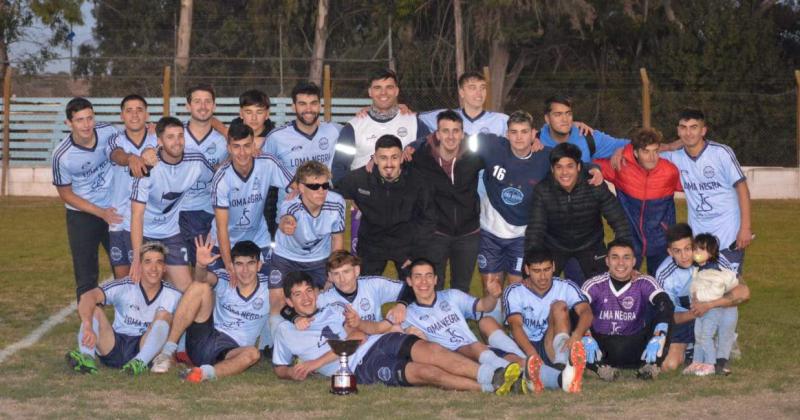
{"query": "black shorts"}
[(386, 361), (682, 333), (207, 346), (126, 347), (539, 346), (194, 223)]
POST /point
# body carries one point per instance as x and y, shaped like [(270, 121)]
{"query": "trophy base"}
[(345, 391)]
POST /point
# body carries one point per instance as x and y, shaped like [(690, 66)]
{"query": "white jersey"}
[(294, 147), (86, 170), (242, 319), (214, 147), (121, 192), (244, 197), (445, 321), (164, 191), (133, 312), (709, 181), (372, 292), (485, 122), (368, 130), (311, 240), (312, 343), (535, 309)]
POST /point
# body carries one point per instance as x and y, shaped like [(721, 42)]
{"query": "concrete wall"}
[(764, 182)]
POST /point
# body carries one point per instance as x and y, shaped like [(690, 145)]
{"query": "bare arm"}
[(69, 197), (519, 336), (337, 242), (745, 234), (88, 301)]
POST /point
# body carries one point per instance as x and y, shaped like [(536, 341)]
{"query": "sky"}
[(83, 34)]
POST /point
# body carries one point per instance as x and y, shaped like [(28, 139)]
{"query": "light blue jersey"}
[(244, 197), (121, 191), (675, 280), (709, 181), (311, 240), (605, 145), (445, 321), (294, 147), (312, 343), (164, 191), (133, 312), (242, 319), (371, 294), (214, 147), (87, 170), (486, 122), (534, 309)]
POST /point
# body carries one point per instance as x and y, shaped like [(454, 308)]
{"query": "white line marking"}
[(43, 329), (37, 334)]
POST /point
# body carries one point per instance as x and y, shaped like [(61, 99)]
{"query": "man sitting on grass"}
[(222, 322), (142, 315), (394, 359)]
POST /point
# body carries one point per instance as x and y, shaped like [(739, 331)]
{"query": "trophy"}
[(343, 382)]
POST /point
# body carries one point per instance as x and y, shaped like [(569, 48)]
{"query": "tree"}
[(320, 39), (16, 18), (184, 37)]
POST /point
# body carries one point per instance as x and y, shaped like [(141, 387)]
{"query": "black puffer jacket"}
[(456, 200), (572, 221)]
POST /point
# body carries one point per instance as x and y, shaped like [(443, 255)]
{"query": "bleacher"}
[(37, 124)]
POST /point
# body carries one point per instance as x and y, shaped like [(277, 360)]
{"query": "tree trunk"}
[(459, 28), (498, 63), (184, 37), (320, 39)]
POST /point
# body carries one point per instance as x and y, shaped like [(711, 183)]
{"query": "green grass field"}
[(36, 281)]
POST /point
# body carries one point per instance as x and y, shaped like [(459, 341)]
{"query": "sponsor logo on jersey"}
[(324, 143), (364, 304), (512, 196), (708, 172), (444, 305), (627, 302), (258, 303), (402, 132)]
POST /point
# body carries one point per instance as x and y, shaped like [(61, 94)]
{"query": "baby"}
[(711, 282)]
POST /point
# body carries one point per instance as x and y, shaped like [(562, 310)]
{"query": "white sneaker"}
[(162, 363)]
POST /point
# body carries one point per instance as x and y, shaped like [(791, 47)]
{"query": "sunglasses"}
[(315, 187)]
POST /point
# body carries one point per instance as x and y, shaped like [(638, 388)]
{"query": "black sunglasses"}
[(315, 187)]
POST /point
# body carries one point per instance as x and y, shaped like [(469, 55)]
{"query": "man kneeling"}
[(394, 359), (142, 315), (221, 322)]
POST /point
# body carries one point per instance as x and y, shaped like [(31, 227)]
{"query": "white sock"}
[(86, 350), (562, 356), (208, 372), (489, 358), (485, 374), (154, 341), (182, 343), (169, 348), (500, 340)]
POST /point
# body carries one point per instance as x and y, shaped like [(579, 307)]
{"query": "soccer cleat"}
[(194, 375), (533, 367), (607, 373), (162, 363), (648, 371), (80, 362), (520, 386), (572, 375), (722, 368), (135, 367), (504, 378)]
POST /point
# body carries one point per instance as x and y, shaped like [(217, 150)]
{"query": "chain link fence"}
[(758, 122)]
